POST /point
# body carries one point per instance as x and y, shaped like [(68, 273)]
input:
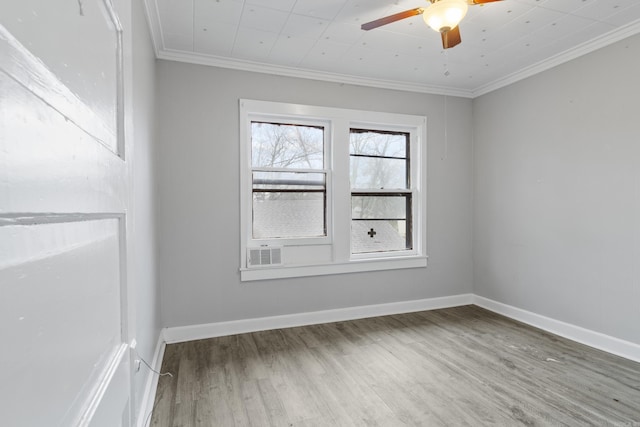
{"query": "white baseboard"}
[(211, 330), (146, 405), (588, 337)]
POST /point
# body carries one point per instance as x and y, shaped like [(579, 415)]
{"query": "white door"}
[(63, 199)]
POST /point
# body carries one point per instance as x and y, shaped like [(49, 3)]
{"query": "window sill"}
[(355, 266)]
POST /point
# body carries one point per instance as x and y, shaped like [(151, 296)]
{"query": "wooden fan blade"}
[(451, 38), (392, 18), (472, 2)]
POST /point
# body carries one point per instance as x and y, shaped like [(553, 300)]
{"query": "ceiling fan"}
[(442, 15)]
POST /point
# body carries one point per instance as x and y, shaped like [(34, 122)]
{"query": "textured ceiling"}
[(502, 42)]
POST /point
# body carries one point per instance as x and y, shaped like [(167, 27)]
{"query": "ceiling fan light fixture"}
[(444, 15)]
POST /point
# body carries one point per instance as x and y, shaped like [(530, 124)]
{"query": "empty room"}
[(320, 213)]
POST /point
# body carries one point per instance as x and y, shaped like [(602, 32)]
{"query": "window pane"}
[(379, 207), (288, 214), (287, 146), (380, 223), (372, 143), (373, 172), (288, 180), (378, 236)]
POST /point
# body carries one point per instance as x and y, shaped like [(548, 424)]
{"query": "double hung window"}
[(334, 190), (289, 183), (380, 191)]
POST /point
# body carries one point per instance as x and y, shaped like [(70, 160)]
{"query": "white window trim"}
[(338, 121), (244, 145)]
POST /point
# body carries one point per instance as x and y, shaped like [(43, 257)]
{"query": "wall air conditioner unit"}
[(264, 256)]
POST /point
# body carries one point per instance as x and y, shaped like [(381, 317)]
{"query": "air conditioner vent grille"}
[(264, 256)]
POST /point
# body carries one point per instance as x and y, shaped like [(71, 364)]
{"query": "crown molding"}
[(153, 18), (259, 67), (162, 52), (568, 55)]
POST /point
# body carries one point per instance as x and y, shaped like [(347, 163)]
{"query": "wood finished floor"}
[(458, 366)]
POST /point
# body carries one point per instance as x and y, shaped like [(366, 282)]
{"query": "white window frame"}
[(297, 241), (337, 123)]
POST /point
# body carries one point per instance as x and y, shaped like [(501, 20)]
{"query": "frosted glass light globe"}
[(445, 14)]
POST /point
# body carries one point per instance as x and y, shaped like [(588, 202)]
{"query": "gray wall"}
[(199, 202), (145, 284), (557, 192)]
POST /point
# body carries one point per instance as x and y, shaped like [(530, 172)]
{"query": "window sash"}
[(405, 192), (283, 215), (408, 217), (284, 220), (291, 152), (407, 150), (282, 180)]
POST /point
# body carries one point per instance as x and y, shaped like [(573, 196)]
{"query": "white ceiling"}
[(502, 42)]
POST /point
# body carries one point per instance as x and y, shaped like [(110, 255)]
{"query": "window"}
[(326, 190), (289, 181), (380, 191)]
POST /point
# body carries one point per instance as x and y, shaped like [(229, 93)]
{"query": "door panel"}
[(78, 45), (61, 311), (49, 158), (63, 205)]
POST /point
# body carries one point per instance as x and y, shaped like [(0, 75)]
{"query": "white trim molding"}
[(598, 340), (148, 398), (331, 253), (579, 334), (250, 274), (212, 330), (303, 73)]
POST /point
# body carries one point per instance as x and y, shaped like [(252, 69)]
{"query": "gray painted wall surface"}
[(145, 283), (557, 192), (199, 202)]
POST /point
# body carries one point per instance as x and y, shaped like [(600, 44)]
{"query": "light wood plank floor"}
[(458, 366)]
